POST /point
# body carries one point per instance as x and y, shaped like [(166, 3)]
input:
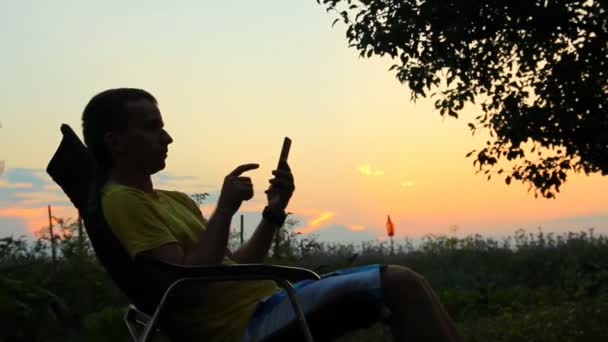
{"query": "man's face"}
[(143, 146)]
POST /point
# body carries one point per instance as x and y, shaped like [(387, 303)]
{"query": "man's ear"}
[(113, 142)]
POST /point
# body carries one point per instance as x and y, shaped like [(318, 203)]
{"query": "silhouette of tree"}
[(538, 68)]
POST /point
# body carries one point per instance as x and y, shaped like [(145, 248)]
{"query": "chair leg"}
[(135, 320), (297, 310)]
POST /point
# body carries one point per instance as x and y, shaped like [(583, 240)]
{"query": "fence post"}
[(242, 227), (80, 236), (52, 236)]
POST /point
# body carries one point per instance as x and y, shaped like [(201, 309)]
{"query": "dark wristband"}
[(274, 217)]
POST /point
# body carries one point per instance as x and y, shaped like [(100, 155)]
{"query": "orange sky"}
[(230, 90)]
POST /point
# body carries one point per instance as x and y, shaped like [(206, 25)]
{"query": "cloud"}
[(164, 177), (342, 233), (27, 188), (5, 184), (407, 184), (41, 198), (368, 171), (25, 194), (597, 221), (187, 184), (316, 222), (37, 177), (355, 227), (324, 216)]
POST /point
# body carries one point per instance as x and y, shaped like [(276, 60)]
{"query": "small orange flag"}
[(390, 228)]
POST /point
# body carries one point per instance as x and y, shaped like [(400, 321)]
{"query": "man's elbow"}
[(171, 253)]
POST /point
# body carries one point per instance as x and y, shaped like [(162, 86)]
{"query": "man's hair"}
[(105, 112)]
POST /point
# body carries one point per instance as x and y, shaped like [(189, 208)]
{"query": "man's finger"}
[(243, 168), (278, 183), (283, 174), (248, 194)]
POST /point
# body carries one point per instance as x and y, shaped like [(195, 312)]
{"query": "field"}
[(527, 287)]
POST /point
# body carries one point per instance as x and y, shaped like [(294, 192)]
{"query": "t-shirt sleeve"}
[(135, 221)]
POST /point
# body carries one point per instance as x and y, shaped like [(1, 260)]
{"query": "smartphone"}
[(285, 149)]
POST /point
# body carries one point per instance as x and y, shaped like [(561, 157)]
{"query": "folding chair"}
[(143, 279)]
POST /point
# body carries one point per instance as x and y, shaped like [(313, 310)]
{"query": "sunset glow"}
[(230, 91), (316, 222), (37, 219)]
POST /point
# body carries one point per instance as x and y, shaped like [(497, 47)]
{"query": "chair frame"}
[(73, 169), (278, 274)]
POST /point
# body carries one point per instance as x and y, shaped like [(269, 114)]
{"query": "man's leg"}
[(417, 314)]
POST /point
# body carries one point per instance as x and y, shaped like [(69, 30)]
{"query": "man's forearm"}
[(256, 248), (212, 246)]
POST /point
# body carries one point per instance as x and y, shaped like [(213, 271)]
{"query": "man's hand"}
[(279, 193), (236, 189), (281, 187)]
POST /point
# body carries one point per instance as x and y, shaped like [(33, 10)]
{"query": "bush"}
[(532, 287)]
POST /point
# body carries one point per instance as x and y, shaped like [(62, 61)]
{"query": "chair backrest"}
[(73, 168)]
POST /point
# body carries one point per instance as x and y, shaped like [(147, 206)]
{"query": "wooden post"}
[(277, 236), (242, 227), (80, 236), (52, 236)]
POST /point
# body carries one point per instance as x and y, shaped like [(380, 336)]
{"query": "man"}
[(124, 130)]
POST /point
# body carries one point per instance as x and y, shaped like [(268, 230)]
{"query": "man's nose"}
[(167, 138)]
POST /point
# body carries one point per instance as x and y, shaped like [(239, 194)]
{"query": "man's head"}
[(124, 128)]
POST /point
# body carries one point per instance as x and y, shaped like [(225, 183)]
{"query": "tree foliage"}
[(537, 68)]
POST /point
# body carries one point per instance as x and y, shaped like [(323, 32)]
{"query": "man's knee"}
[(403, 281), (404, 275)]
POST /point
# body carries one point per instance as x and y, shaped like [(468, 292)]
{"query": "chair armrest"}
[(227, 272)]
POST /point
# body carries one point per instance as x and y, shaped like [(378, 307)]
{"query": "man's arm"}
[(256, 248), (211, 247), (209, 251)]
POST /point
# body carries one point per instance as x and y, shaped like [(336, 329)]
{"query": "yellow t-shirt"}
[(144, 221)]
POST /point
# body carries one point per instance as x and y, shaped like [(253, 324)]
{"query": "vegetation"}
[(537, 67), (532, 287)]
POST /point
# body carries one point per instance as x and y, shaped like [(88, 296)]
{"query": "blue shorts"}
[(342, 300)]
